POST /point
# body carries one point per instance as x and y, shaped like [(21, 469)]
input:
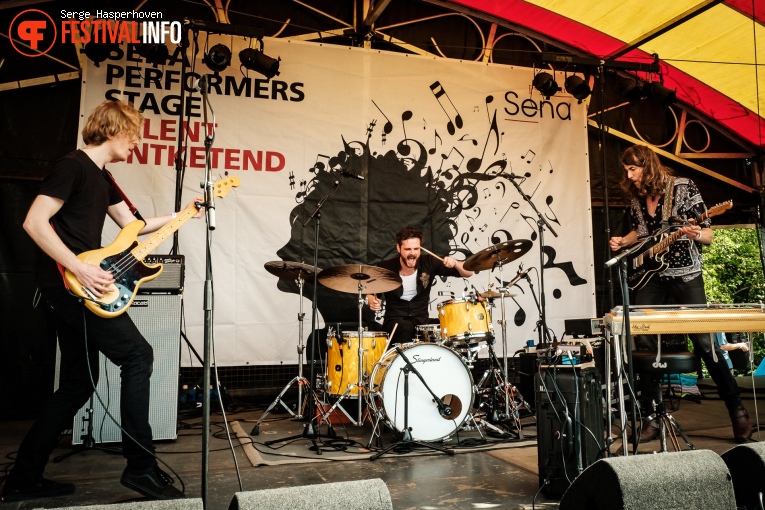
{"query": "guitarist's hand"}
[(94, 278), (617, 243), (696, 233)]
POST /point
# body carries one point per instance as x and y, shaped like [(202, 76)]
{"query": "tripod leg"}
[(278, 400)]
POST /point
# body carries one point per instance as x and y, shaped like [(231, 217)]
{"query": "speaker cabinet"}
[(697, 479), (158, 318), (747, 467), (570, 424), (354, 495)]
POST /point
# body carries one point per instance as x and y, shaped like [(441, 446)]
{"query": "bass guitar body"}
[(129, 273)]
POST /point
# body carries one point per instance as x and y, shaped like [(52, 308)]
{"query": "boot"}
[(742, 430), (650, 431)]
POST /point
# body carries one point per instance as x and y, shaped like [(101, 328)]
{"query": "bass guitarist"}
[(655, 196), (65, 219)]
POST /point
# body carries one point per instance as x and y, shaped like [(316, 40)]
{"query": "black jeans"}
[(406, 330), (121, 342), (659, 291)]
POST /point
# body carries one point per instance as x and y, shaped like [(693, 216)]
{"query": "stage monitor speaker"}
[(570, 424), (168, 504), (697, 479), (747, 467), (158, 318), (354, 495)]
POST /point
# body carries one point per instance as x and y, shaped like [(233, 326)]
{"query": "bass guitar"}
[(124, 260), (650, 260)]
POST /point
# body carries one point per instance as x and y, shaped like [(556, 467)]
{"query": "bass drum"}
[(444, 372)]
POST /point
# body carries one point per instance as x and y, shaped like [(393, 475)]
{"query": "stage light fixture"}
[(660, 93), (98, 52), (546, 84), (218, 58), (631, 90), (255, 60), (156, 54), (577, 87)]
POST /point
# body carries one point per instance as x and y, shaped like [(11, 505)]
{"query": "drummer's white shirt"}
[(410, 286)]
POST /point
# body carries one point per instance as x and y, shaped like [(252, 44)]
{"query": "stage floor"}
[(503, 478)]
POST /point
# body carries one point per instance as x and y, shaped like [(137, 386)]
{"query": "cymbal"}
[(347, 278), (500, 252), (287, 270), (491, 294)]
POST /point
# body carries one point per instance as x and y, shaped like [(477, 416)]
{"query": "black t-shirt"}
[(428, 267), (87, 194)]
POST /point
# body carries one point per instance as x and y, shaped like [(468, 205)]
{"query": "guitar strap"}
[(669, 193), (110, 178)]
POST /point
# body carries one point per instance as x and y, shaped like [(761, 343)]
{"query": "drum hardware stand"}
[(406, 438), (88, 441), (309, 432), (299, 379)]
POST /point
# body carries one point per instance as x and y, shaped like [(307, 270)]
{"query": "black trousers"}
[(406, 330), (120, 341), (659, 291)]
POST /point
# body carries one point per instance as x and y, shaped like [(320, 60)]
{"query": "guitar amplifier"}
[(170, 281)]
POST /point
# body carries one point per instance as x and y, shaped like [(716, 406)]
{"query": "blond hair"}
[(109, 119)]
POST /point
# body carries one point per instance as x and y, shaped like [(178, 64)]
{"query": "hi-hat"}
[(291, 270), (503, 253), (347, 278), (492, 294)]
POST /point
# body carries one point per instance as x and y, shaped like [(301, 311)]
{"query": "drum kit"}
[(439, 400)]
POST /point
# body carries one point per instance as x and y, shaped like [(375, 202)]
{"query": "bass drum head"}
[(444, 372)]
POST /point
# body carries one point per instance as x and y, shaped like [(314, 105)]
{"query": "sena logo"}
[(32, 33)]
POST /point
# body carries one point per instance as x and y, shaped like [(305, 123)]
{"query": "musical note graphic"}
[(371, 128), (407, 115), (474, 164), (486, 193), (388, 127), (483, 229), (499, 185), (514, 205), (548, 201), (475, 108), (465, 138), (436, 139), (567, 267), (453, 166), (525, 156), (292, 180), (438, 91), (470, 220), (531, 223), (319, 166), (496, 239)]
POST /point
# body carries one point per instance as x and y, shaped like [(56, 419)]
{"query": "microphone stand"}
[(541, 224), (209, 202), (406, 438)]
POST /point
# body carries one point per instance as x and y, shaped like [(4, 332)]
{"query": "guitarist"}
[(66, 218), (652, 189)]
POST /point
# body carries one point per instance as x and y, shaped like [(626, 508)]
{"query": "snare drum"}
[(464, 321), (430, 333), (444, 372), (343, 359)]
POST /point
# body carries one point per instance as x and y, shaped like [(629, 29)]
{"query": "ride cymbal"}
[(347, 278), (287, 270), (503, 253), (492, 294)]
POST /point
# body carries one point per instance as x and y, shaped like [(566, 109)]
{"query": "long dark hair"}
[(654, 173)]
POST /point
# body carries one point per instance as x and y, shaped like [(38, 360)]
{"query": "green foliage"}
[(733, 273)]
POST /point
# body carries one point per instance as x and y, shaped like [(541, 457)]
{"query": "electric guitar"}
[(650, 260), (124, 260)]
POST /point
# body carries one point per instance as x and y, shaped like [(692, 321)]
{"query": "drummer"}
[(407, 306)]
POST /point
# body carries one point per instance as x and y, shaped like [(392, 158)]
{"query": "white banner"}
[(448, 146)]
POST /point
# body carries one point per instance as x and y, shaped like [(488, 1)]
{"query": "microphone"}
[(346, 173), (201, 85), (445, 409), (618, 258), (519, 277)]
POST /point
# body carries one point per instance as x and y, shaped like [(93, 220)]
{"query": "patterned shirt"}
[(684, 255)]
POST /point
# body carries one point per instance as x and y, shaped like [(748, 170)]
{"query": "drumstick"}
[(430, 252), (390, 336)]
